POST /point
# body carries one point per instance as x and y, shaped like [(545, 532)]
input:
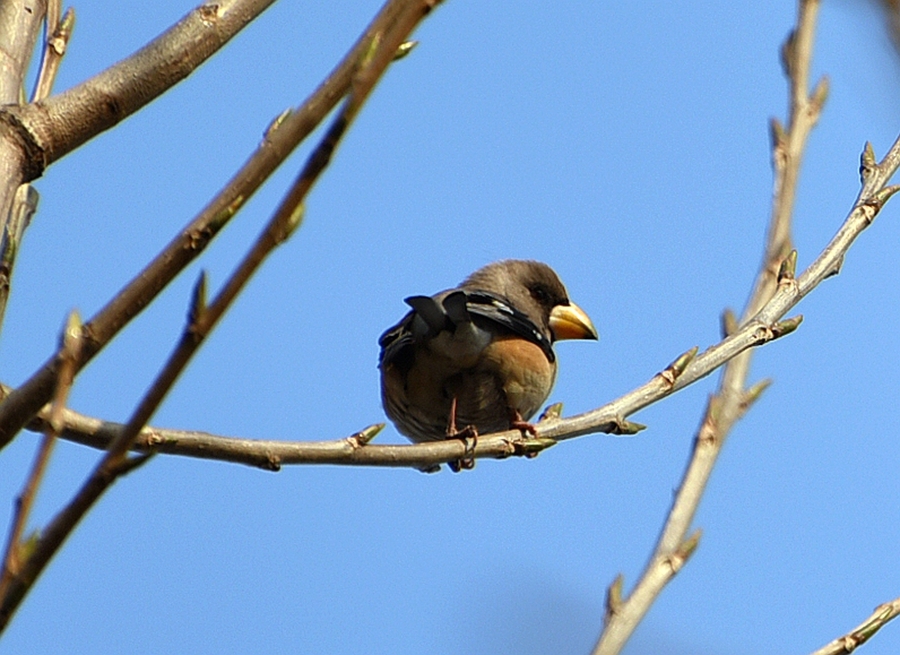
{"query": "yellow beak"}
[(570, 322)]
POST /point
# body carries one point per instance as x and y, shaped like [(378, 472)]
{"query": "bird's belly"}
[(513, 376)]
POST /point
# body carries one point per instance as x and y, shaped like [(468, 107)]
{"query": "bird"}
[(478, 358)]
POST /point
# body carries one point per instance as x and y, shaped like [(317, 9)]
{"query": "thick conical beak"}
[(570, 322)]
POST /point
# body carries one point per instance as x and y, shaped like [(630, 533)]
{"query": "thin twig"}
[(610, 418), (12, 561), (24, 205), (282, 137), (59, 124), (861, 633), (775, 285), (57, 33), (202, 317)]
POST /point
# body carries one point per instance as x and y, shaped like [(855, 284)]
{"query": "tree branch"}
[(203, 318), (861, 633), (19, 26), (774, 292), (15, 548), (282, 137), (59, 124)]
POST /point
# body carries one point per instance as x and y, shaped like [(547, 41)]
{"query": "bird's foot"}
[(524, 426), (518, 423), (469, 437)]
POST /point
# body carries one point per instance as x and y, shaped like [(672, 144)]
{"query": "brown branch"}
[(283, 136), (26, 197), (19, 26), (203, 318), (775, 290), (57, 32), (13, 560), (685, 370), (35, 135), (24, 205), (59, 124), (610, 418), (20, 23), (861, 633)]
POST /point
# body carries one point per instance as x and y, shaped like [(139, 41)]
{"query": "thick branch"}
[(203, 318), (280, 140), (63, 122)]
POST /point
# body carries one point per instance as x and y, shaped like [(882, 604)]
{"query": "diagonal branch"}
[(686, 369), (56, 126), (203, 318), (775, 289), (863, 632), (33, 136), (283, 136)]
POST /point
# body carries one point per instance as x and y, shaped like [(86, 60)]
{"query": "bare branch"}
[(12, 561), (203, 318), (280, 140), (59, 124), (861, 633), (775, 292), (57, 32), (20, 24)]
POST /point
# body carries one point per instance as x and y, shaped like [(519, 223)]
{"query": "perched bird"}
[(478, 358)]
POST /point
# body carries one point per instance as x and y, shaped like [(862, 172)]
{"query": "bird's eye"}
[(540, 294)]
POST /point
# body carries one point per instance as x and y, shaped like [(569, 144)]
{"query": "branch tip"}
[(552, 412), (614, 597), (626, 428), (729, 323), (753, 393), (788, 325), (788, 269), (787, 53), (674, 370), (530, 447), (820, 94), (63, 32), (366, 435), (71, 334), (776, 133), (293, 221), (277, 122), (197, 309), (404, 49), (689, 545), (867, 162)]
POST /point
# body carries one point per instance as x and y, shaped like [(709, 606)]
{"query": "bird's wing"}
[(500, 311), (457, 307)]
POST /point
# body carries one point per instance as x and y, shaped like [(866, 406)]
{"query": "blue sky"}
[(626, 144)]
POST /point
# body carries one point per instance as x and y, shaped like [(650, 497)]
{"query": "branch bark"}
[(202, 317), (863, 632), (282, 137), (775, 289)]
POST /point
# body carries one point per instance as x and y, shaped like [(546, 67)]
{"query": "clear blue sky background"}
[(626, 144)]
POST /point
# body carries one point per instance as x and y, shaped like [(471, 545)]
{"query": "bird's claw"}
[(469, 437)]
